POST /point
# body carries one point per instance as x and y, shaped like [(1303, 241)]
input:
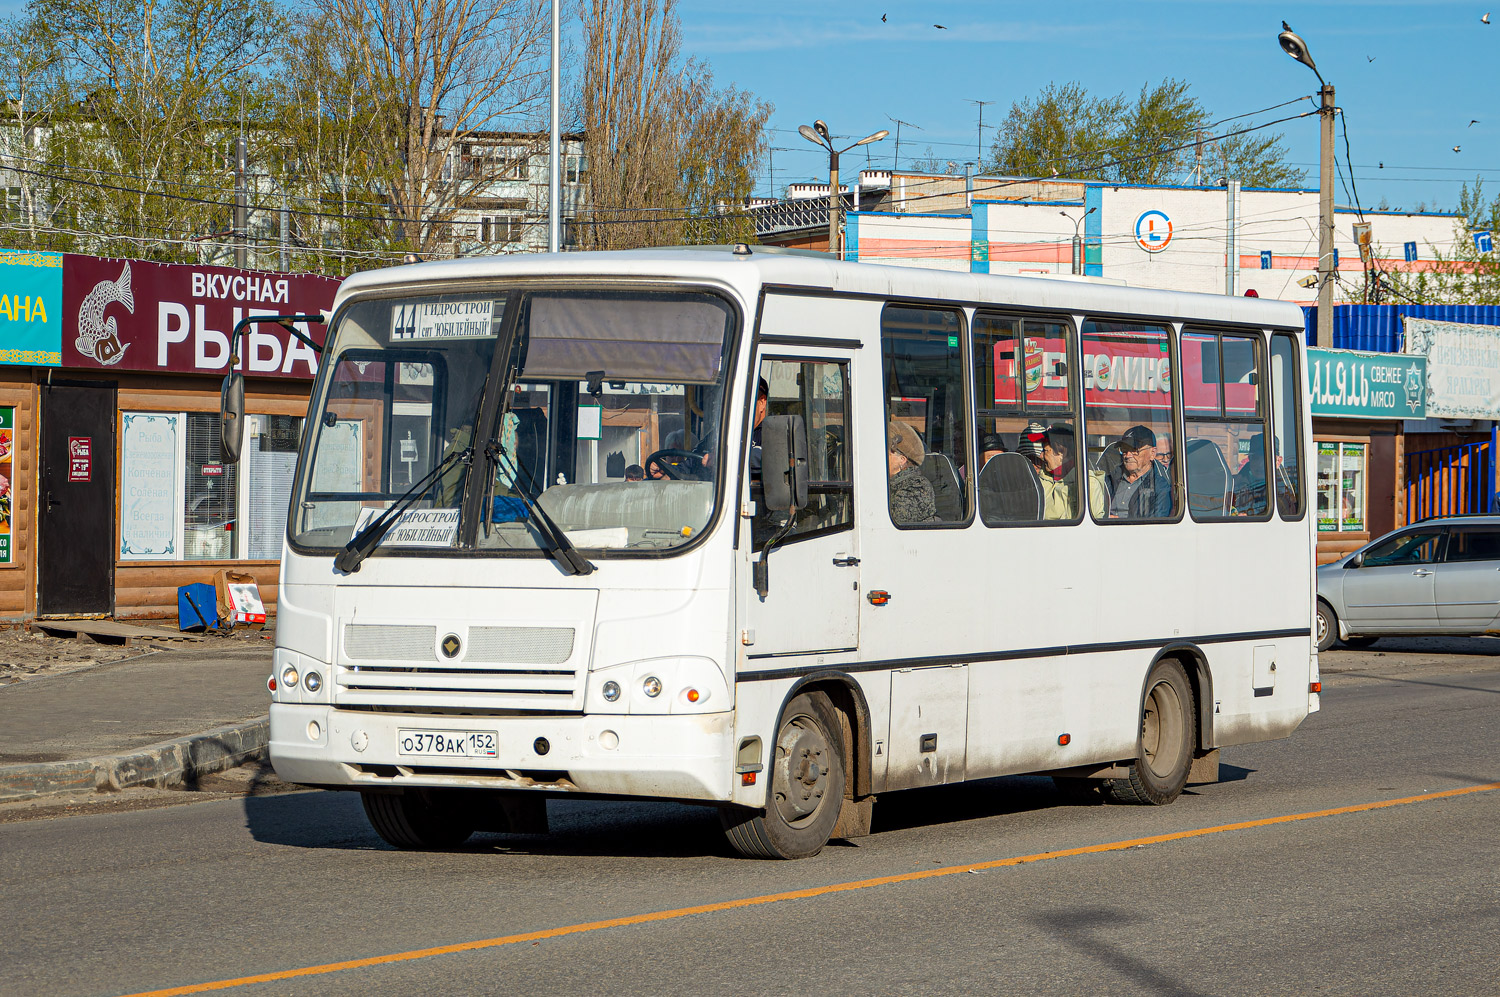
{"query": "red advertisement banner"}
[(164, 317), (1117, 371)]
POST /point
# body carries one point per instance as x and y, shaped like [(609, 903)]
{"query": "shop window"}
[(1342, 470), (923, 357), (179, 501)]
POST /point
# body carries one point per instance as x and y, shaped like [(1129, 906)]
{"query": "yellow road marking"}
[(771, 898)]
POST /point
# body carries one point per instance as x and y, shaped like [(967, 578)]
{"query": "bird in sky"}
[(1369, 58), (1457, 149), (1382, 166), (1485, 19), (941, 27), (882, 18), (1285, 26), (1473, 122)]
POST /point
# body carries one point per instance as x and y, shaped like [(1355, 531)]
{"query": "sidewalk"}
[(160, 718)]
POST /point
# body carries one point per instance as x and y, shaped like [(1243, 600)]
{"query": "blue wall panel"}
[(1377, 328)]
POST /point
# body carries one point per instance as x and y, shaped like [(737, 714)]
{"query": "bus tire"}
[(418, 819), (807, 778), (1168, 733)]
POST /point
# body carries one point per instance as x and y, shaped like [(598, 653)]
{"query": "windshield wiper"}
[(562, 550), (363, 543)]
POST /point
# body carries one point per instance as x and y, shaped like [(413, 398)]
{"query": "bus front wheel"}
[(418, 819), (1168, 732), (807, 786)]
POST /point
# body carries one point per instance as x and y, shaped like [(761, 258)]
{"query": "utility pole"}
[(1232, 237), (285, 257), (1325, 219), (554, 139), (239, 202), (979, 145)]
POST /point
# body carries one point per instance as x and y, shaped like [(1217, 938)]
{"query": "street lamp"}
[(1294, 46), (818, 134), (1077, 243)]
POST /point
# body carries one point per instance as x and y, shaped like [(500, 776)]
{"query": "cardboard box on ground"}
[(239, 598)]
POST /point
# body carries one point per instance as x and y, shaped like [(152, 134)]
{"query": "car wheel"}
[(1327, 627)]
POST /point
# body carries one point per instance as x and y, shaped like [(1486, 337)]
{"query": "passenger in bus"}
[(1139, 488), (654, 471), (990, 444), (635, 473), (1164, 452), (911, 494), (1059, 500), (762, 401)]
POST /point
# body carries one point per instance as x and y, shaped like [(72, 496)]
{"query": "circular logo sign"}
[(1153, 231), (451, 646)]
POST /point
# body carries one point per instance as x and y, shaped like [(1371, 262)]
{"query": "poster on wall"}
[(7, 475), (161, 317), (1463, 367), (148, 486), (31, 309)]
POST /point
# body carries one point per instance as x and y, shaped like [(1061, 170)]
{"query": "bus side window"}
[(926, 415), (1127, 402), (819, 392), (1286, 426), (1224, 411)]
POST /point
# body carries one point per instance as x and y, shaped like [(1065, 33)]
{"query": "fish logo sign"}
[(98, 336)]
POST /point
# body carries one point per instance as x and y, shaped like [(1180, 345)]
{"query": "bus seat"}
[(531, 447), (1009, 491), (1207, 478), (947, 493), (1108, 461)]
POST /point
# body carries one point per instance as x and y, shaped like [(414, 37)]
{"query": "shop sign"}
[(31, 309), (161, 317), (1351, 385), (81, 458), (7, 475), (1463, 367)]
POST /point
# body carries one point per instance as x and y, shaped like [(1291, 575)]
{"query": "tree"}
[(1153, 139), (670, 157), (1461, 275)]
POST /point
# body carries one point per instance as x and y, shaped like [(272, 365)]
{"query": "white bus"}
[(779, 534)]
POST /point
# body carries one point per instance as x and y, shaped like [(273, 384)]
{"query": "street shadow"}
[(1233, 773), (1436, 685), (1436, 644), (937, 805), (1085, 930)]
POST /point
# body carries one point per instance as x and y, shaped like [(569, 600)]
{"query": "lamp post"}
[(1294, 46), (1077, 242), (818, 134)]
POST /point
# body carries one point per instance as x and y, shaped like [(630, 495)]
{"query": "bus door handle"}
[(845, 562)]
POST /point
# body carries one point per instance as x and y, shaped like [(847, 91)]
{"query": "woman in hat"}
[(911, 494)]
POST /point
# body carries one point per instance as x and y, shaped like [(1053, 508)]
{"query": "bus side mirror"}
[(783, 462), (232, 416)]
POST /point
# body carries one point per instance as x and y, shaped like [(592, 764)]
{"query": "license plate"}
[(447, 743)]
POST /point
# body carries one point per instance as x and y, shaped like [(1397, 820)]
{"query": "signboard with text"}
[(161, 317), (1350, 385), (1463, 367), (31, 309)]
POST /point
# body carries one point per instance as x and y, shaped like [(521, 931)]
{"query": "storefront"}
[(1359, 403), (109, 396)]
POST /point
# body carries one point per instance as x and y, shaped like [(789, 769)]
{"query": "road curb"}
[(169, 763)]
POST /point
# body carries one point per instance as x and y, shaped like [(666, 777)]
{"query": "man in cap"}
[(1139, 488), (911, 494)]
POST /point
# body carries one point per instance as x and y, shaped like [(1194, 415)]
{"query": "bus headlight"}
[(312, 681), (289, 677), (677, 684), (611, 691), (652, 686)]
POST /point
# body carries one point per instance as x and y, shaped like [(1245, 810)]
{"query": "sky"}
[(1408, 75)]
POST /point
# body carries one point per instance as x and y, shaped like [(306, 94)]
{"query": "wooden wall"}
[(18, 580)]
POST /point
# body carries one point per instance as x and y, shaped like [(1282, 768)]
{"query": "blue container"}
[(197, 607)]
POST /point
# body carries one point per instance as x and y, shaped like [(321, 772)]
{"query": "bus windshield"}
[(602, 407)]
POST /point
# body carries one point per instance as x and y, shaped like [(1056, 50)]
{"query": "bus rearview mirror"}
[(784, 462), (232, 416)]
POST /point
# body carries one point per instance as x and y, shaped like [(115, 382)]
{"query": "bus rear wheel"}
[(806, 786), (419, 819), (1168, 733)]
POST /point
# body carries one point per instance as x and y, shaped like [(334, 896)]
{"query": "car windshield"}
[(604, 410)]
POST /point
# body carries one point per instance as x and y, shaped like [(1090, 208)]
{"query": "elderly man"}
[(1139, 488), (911, 494)]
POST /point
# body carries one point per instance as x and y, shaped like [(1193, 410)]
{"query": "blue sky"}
[(1433, 70)]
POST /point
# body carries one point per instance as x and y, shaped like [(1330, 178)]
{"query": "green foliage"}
[(1065, 131), (1461, 275)]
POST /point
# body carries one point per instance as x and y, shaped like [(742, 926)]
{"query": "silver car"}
[(1439, 576)]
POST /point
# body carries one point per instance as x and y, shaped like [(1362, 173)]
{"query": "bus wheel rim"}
[(802, 758)]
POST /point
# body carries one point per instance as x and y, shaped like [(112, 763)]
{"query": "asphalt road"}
[(1397, 899)]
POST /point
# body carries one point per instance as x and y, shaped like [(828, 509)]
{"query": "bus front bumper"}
[(689, 757)]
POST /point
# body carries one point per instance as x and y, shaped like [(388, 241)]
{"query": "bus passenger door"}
[(812, 600)]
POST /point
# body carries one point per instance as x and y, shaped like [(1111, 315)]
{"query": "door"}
[(1467, 585), (1393, 590), (76, 521), (813, 587)]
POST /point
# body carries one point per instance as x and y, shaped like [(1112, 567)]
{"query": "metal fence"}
[(1451, 481)]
